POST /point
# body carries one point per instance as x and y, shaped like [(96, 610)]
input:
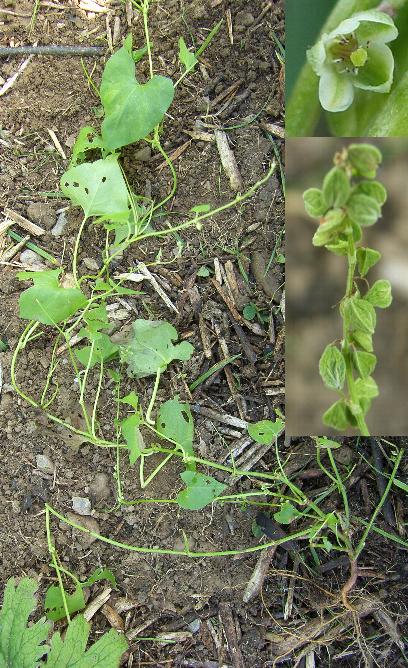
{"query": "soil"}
[(167, 593)]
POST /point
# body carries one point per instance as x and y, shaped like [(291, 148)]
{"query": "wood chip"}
[(26, 224), (200, 135), (229, 25), (97, 603), (176, 154), (224, 418), (11, 80), (114, 619), (57, 143), (11, 252), (273, 129), (228, 624), (253, 326), (5, 225), (129, 12), (259, 574), (228, 161), (149, 276)]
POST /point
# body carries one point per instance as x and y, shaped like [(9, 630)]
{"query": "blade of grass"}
[(33, 247), (213, 369)]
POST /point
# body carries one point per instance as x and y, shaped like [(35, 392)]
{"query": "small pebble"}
[(90, 264), (41, 213), (245, 19), (100, 487), (143, 154), (60, 225), (45, 464), (31, 260), (81, 505)]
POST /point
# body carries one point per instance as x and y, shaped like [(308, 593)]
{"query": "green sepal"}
[(314, 202), (336, 188), (363, 210), (337, 416), (332, 367), (367, 258), (379, 294), (364, 362), (365, 159), (326, 232)]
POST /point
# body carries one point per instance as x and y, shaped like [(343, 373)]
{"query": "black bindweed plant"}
[(350, 200)]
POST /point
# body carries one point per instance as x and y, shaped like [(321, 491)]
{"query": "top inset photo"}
[(347, 68)]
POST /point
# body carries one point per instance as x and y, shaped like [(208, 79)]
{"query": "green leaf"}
[(133, 437), (100, 574), (359, 314), (365, 159), (103, 350), (327, 443), (364, 363), (187, 58), (337, 416), (152, 349), (131, 399), (265, 431), (54, 602), (332, 224), (363, 340), (21, 646), (249, 311), (203, 272), (366, 258), (379, 294), (200, 491), (175, 422), (340, 247), (363, 210), (71, 653), (287, 513), (332, 367), (314, 203), (336, 188), (87, 140), (201, 208), (98, 187), (366, 388), (132, 110), (46, 301), (373, 189)]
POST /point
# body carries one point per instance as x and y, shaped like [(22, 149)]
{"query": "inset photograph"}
[(347, 287), (346, 68)]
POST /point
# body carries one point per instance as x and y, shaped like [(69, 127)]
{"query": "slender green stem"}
[(76, 249), (52, 552)]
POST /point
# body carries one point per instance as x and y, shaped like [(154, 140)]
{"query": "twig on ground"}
[(51, 50), (26, 224), (253, 326), (228, 624), (11, 80), (11, 252), (259, 574), (273, 129), (228, 161), (224, 418), (149, 276), (97, 603), (228, 373)]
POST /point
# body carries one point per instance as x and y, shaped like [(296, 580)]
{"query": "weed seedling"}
[(349, 201)]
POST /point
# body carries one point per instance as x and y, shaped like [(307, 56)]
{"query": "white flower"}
[(354, 55)]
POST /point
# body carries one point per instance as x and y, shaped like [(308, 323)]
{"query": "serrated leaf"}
[(367, 258), (200, 491), (364, 362), (365, 158), (314, 203), (175, 422), (359, 314), (72, 653), (132, 110), (54, 602), (363, 340), (337, 416), (265, 431), (98, 187), (152, 349), (363, 210), (21, 646), (332, 367), (47, 301), (186, 57), (379, 294), (336, 188)]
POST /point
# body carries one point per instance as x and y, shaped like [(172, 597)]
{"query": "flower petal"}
[(317, 55), (336, 91), (346, 27), (377, 73), (375, 27)]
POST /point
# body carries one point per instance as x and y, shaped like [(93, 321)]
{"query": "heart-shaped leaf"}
[(200, 491), (175, 422)]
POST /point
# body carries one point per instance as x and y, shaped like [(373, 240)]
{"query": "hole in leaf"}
[(185, 415), (75, 184), (103, 179), (66, 184), (87, 191)]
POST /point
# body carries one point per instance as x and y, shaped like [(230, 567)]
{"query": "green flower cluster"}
[(354, 55), (349, 200)]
